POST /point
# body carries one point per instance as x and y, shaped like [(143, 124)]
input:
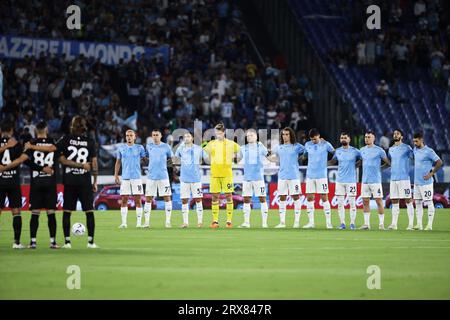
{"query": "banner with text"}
[(108, 53)]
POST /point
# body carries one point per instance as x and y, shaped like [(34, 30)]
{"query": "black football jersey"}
[(39, 159), (10, 177), (80, 149)]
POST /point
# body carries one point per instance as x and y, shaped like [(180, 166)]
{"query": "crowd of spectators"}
[(212, 74), (414, 40)]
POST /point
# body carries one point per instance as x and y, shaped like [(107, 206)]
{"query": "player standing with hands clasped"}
[(81, 150), (401, 156), (129, 158), (347, 158), (191, 156), (424, 160), (158, 177), (372, 157)]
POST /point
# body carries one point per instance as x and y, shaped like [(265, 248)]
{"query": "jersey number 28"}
[(80, 154)]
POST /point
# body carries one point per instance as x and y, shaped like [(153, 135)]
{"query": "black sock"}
[(51, 221), (34, 225), (66, 226), (17, 226), (90, 222)]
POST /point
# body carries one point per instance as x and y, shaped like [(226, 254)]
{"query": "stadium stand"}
[(212, 74), (412, 56)]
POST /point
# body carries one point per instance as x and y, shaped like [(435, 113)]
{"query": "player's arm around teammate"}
[(129, 157), (288, 153), (252, 155), (317, 150), (42, 184), (10, 179)]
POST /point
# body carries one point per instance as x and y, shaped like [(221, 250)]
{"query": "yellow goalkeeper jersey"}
[(221, 154)]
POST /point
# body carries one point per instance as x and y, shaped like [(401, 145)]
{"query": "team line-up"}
[(221, 152), (76, 153)]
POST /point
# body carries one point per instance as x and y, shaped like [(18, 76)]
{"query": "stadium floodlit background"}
[(264, 64)]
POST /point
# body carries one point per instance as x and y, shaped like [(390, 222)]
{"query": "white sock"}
[(419, 212), (367, 218), (139, 216), (264, 212), (341, 209), (282, 209), (352, 209), (410, 211), (246, 209), (168, 207), (185, 212), (381, 218), (431, 211), (199, 206), (147, 211), (395, 213), (297, 210), (310, 210), (327, 211), (123, 213)]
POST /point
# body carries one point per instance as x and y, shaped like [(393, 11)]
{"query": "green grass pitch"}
[(230, 263)]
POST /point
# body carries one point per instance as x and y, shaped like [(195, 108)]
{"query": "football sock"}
[(327, 211), (66, 226), (395, 213), (199, 206), (430, 213), (147, 211), (352, 209), (138, 216), (123, 214), (297, 210), (367, 218), (282, 210), (168, 208), (310, 210), (90, 222), (341, 209), (185, 212), (410, 211), (246, 210), (381, 217), (34, 225), (17, 226), (229, 211), (51, 222), (264, 212), (215, 210), (419, 212)]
